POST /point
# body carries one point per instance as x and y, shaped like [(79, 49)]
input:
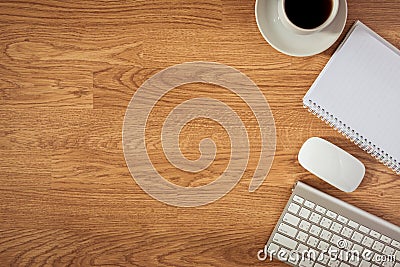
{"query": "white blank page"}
[(360, 86)]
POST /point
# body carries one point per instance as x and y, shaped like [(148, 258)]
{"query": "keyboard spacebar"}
[(284, 241)]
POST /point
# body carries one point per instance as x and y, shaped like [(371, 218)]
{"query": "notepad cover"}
[(358, 93)]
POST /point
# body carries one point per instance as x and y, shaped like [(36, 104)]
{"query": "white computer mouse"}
[(332, 164)]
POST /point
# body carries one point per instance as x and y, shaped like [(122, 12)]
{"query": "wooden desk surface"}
[(67, 72)]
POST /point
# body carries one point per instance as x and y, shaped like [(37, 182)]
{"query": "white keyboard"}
[(318, 230)]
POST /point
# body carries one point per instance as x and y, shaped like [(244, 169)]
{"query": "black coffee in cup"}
[(308, 14)]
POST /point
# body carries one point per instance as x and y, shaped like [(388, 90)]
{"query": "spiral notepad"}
[(358, 94)]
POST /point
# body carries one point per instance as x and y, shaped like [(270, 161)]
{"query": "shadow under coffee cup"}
[(307, 16)]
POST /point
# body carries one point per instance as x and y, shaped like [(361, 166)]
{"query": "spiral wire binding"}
[(353, 136)]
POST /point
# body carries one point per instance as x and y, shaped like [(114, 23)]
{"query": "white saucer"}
[(287, 42)]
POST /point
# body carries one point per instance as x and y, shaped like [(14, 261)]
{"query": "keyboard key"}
[(377, 258), (315, 230), (285, 241), (333, 263), (378, 246), (323, 258), (298, 199), (302, 237), (353, 224), (333, 249), (312, 241), (367, 254), (314, 217), (283, 254), (313, 254), (342, 219), (304, 213), (293, 208), (375, 234), (306, 263), (347, 244), (293, 258), (347, 232), (308, 259), (302, 248), (355, 261), (343, 243), (325, 222), (322, 245), (342, 264), (320, 209), (273, 248), (318, 265), (388, 250), (385, 239), (363, 229), (335, 240), (326, 235), (388, 264), (364, 263), (287, 230), (309, 204), (331, 214), (304, 225), (367, 241), (396, 244), (358, 248), (291, 219), (357, 237), (336, 227)]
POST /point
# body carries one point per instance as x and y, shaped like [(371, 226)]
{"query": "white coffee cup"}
[(296, 29)]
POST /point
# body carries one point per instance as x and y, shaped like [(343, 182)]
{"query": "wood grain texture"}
[(68, 70)]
